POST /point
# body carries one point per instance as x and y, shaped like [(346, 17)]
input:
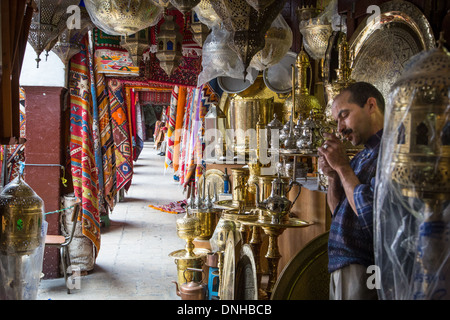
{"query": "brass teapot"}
[(277, 205), (191, 290)]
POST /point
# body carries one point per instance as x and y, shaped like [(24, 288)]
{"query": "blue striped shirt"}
[(351, 236)]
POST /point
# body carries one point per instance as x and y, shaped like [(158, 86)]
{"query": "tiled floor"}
[(133, 262)]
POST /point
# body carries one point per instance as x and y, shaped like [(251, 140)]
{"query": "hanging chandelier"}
[(136, 44), (247, 26), (184, 5), (169, 40), (47, 23), (123, 17), (68, 42)]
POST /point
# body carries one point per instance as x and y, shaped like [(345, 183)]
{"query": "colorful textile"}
[(83, 167), (171, 128), (173, 207), (154, 97), (181, 103), (121, 135), (103, 40), (115, 63)]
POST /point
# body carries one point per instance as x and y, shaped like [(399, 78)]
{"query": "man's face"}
[(353, 122)]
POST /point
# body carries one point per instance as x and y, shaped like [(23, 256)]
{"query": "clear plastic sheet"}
[(20, 274), (219, 60), (411, 231), (278, 42)]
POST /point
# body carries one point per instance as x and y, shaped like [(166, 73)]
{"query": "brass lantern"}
[(199, 30), (118, 17), (259, 5), (47, 23), (414, 182), (184, 5), (136, 44), (169, 45), (247, 26), (162, 3), (68, 42), (206, 14), (21, 214)]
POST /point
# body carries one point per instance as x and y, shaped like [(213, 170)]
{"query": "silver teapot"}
[(277, 205)]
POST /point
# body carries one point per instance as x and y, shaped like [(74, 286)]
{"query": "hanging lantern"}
[(278, 42), (414, 181), (136, 44), (21, 214), (248, 26), (68, 42), (162, 3), (169, 45), (260, 5), (119, 17), (47, 23), (184, 5), (199, 30), (206, 14)]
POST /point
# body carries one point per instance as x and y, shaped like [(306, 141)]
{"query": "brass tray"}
[(383, 46), (213, 178), (228, 281), (306, 276), (229, 205), (246, 286)]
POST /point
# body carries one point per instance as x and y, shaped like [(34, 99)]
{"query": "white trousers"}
[(350, 283)]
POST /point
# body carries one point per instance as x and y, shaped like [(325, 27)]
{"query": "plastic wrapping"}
[(412, 197), (219, 60), (20, 274), (118, 18), (278, 42)]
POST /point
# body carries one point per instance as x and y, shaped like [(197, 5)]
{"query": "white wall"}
[(51, 73)]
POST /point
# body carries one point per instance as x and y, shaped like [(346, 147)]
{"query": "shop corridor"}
[(133, 262)]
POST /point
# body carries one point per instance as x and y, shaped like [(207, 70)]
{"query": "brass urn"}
[(21, 214), (188, 228)]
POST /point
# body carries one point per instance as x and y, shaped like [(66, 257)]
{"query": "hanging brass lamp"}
[(184, 5), (259, 5), (68, 42), (206, 14), (21, 216), (247, 26), (163, 3), (169, 45), (47, 23), (199, 30), (136, 44), (119, 17)]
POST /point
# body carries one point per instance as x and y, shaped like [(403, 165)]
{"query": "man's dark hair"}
[(361, 91)]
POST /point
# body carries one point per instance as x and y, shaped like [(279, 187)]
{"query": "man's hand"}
[(333, 153)]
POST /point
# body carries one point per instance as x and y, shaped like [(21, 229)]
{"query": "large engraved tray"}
[(306, 276), (383, 46)]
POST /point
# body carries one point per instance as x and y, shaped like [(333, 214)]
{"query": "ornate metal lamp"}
[(162, 3), (118, 17), (259, 5), (169, 45), (136, 44), (199, 30), (248, 26), (67, 44), (46, 24), (184, 5), (206, 14), (414, 180)]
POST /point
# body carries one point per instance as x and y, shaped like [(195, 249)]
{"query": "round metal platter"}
[(233, 85), (228, 281), (278, 78), (246, 282), (383, 46), (306, 276)]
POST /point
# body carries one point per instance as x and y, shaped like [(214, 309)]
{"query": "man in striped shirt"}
[(359, 112)]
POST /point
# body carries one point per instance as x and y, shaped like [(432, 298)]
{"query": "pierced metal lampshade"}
[(169, 45), (68, 42), (206, 14), (162, 3), (118, 17), (136, 44), (259, 5), (248, 26), (199, 30), (184, 5), (46, 24)]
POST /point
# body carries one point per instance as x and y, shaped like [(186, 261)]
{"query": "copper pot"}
[(191, 290)]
